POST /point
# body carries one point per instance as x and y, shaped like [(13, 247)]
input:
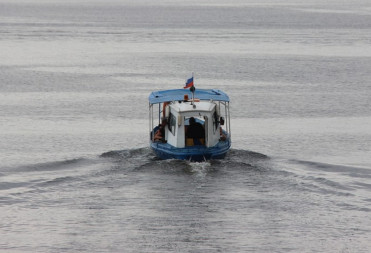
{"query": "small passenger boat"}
[(192, 124)]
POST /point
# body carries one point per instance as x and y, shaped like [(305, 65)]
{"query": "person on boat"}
[(160, 133), (223, 137), (195, 129)]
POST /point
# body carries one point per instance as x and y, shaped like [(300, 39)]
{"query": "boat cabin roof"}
[(202, 106), (178, 95)]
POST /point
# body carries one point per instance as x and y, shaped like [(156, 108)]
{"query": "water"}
[(76, 173)]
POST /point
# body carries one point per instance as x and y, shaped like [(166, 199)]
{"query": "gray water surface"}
[(76, 173)]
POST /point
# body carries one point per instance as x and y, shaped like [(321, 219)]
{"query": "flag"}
[(189, 83)]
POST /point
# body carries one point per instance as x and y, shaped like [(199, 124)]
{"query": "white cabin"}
[(178, 114)]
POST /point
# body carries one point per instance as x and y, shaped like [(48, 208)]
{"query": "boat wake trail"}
[(47, 166), (351, 171), (142, 158), (349, 186), (122, 168), (135, 190), (136, 159)]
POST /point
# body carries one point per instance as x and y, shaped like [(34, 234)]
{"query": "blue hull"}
[(193, 153)]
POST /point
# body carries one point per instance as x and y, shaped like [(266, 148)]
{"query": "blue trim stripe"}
[(178, 94)]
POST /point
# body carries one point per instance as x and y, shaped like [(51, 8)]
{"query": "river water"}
[(76, 173)]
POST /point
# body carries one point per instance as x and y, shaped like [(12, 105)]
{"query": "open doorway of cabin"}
[(195, 130)]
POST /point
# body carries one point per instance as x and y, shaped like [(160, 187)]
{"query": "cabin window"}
[(172, 123)]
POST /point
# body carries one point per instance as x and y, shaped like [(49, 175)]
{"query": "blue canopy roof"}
[(178, 94)]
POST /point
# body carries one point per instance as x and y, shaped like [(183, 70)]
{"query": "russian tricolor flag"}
[(189, 83)]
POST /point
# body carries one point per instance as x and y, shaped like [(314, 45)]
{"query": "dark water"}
[(130, 201), (76, 173)]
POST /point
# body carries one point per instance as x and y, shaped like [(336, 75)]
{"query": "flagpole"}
[(193, 90)]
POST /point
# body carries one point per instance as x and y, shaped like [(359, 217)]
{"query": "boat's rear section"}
[(196, 129), (198, 153)]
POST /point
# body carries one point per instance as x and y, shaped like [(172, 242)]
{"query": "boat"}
[(192, 124)]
